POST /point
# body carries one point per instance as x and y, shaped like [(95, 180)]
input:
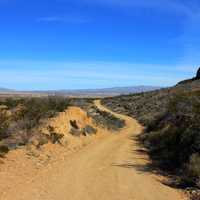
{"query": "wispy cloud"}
[(76, 75), (168, 5), (64, 19)]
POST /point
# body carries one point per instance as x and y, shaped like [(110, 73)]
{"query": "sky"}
[(79, 44)]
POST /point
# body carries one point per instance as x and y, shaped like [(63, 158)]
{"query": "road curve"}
[(110, 169)]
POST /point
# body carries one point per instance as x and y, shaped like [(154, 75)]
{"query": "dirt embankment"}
[(62, 124)]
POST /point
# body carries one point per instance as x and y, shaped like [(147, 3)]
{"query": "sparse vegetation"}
[(105, 119), (54, 137), (173, 139), (195, 196), (19, 118), (172, 134)]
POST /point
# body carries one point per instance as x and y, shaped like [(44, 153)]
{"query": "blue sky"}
[(70, 44)]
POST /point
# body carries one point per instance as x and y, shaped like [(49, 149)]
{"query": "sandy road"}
[(109, 169)]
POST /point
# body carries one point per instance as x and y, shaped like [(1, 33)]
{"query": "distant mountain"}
[(108, 91), (5, 90), (115, 91)]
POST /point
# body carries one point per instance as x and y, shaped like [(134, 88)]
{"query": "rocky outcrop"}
[(198, 74), (197, 77)]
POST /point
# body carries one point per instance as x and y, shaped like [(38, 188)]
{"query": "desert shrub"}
[(54, 137), (172, 120), (173, 139), (39, 108), (3, 150), (38, 139), (143, 106), (4, 124), (195, 196), (192, 171), (11, 102), (105, 119), (21, 116)]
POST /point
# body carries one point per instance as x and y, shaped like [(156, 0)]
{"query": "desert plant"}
[(192, 171), (3, 150), (4, 124), (195, 196), (105, 119), (54, 137)]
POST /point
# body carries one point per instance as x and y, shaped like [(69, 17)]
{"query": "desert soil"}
[(109, 168)]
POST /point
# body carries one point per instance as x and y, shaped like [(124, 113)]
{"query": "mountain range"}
[(86, 92)]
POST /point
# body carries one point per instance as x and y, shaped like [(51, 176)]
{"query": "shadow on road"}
[(141, 162)]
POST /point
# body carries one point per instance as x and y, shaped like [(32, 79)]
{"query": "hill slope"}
[(172, 120)]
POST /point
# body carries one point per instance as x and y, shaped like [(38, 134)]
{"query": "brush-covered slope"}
[(172, 120)]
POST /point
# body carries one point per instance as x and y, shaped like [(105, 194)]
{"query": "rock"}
[(76, 132), (89, 130), (74, 124), (198, 74)]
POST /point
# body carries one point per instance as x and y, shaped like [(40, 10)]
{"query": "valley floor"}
[(111, 168)]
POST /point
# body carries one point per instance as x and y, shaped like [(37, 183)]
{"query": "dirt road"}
[(109, 169)]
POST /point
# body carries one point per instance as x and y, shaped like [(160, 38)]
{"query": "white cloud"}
[(65, 19), (75, 75)]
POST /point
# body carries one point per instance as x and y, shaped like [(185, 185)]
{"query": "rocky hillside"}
[(172, 120)]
